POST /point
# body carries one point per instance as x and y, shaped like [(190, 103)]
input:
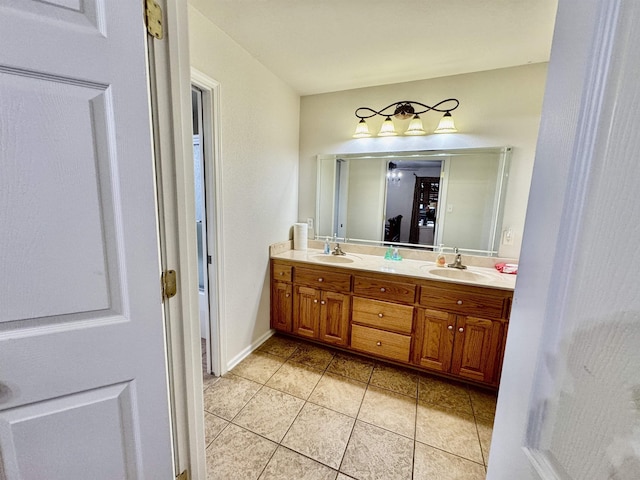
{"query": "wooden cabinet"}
[(453, 329), (463, 331), (281, 297), (320, 308)]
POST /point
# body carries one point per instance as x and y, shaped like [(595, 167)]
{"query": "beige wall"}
[(259, 147), (497, 108)]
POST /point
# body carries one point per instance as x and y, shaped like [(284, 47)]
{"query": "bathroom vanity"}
[(408, 312)]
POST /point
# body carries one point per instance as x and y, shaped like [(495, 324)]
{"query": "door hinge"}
[(183, 476), (169, 284), (153, 19)]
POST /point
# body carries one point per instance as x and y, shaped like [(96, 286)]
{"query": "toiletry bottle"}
[(327, 247), (396, 255), (441, 261), (388, 254)]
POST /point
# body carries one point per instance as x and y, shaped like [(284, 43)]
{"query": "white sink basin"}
[(335, 258), (455, 274)]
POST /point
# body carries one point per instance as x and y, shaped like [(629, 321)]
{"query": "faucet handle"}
[(455, 250)]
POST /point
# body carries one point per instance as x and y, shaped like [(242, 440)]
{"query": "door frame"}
[(170, 90), (210, 89)]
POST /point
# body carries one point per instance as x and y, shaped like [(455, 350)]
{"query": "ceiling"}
[(319, 46)]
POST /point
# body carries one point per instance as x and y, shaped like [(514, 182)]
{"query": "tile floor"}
[(296, 411)]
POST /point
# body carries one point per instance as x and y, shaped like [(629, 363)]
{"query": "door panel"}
[(83, 382), (434, 339), (476, 343), (306, 311), (334, 318)]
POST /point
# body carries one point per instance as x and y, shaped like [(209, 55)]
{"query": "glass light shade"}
[(446, 124), (362, 130), (387, 129), (415, 127)]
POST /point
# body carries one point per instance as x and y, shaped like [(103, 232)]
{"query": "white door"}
[(83, 388)]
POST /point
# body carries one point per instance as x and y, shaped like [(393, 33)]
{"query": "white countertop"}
[(477, 276)]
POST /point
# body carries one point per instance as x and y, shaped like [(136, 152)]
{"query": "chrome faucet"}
[(337, 250), (457, 263)]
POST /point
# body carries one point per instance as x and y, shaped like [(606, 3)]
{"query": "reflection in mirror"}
[(419, 199)]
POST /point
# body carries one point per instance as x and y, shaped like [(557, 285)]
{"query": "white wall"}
[(259, 146), (497, 108)]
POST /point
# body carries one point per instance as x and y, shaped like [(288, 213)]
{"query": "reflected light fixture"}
[(403, 110), (393, 175)]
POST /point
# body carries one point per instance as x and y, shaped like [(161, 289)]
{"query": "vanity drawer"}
[(464, 303), (384, 290), (281, 273), (325, 280), (388, 316), (378, 342)]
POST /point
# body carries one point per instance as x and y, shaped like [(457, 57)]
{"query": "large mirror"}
[(418, 199)]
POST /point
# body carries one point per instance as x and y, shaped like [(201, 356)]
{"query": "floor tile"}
[(238, 454), (376, 454), (258, 366), (339, 393), (342, 476), (395, 379), (444, 393), (213, 425), (227, 396), (351, 366), (449, 431), (320, 433), (389, 410), (312, 356), (208, 380), (296, 379), (279, 346), (287, 465), (431, 463), (485, 430), (483, 403), (269, 413)]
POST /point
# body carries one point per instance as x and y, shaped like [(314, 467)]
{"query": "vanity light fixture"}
[(403, 110)]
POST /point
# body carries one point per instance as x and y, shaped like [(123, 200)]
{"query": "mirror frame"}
[(504, 158)]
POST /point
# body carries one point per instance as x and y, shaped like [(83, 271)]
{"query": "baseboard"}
[(250, 349)]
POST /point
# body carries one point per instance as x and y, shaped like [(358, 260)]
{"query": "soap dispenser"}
[(441, 261), (327, 246)]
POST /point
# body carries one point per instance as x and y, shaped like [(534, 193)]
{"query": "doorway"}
[(206, 184)]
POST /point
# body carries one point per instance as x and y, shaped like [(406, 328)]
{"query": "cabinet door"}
[(334, 318), (434, 339), (475, 348), (281, 306), (306, 311)]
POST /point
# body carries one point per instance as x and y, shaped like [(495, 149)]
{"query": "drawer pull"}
[(459, 302), (450, 327), (322, 302), (288, 295), (382, 289), (315, 301), (281, 273), (380, 315), (379, 343), (461, 329), (321, 279)]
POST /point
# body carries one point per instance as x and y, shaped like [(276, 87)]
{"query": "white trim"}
[(215, 243), (170, 82), (248, 350)]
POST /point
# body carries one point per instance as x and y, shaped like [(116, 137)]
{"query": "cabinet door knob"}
[(382, 289), (459, 302), (315, 301), (380, 315), (378, 343), (321, 279), (322, 302), (288, 295), (281, 273), (450, 327), (461, 329)]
